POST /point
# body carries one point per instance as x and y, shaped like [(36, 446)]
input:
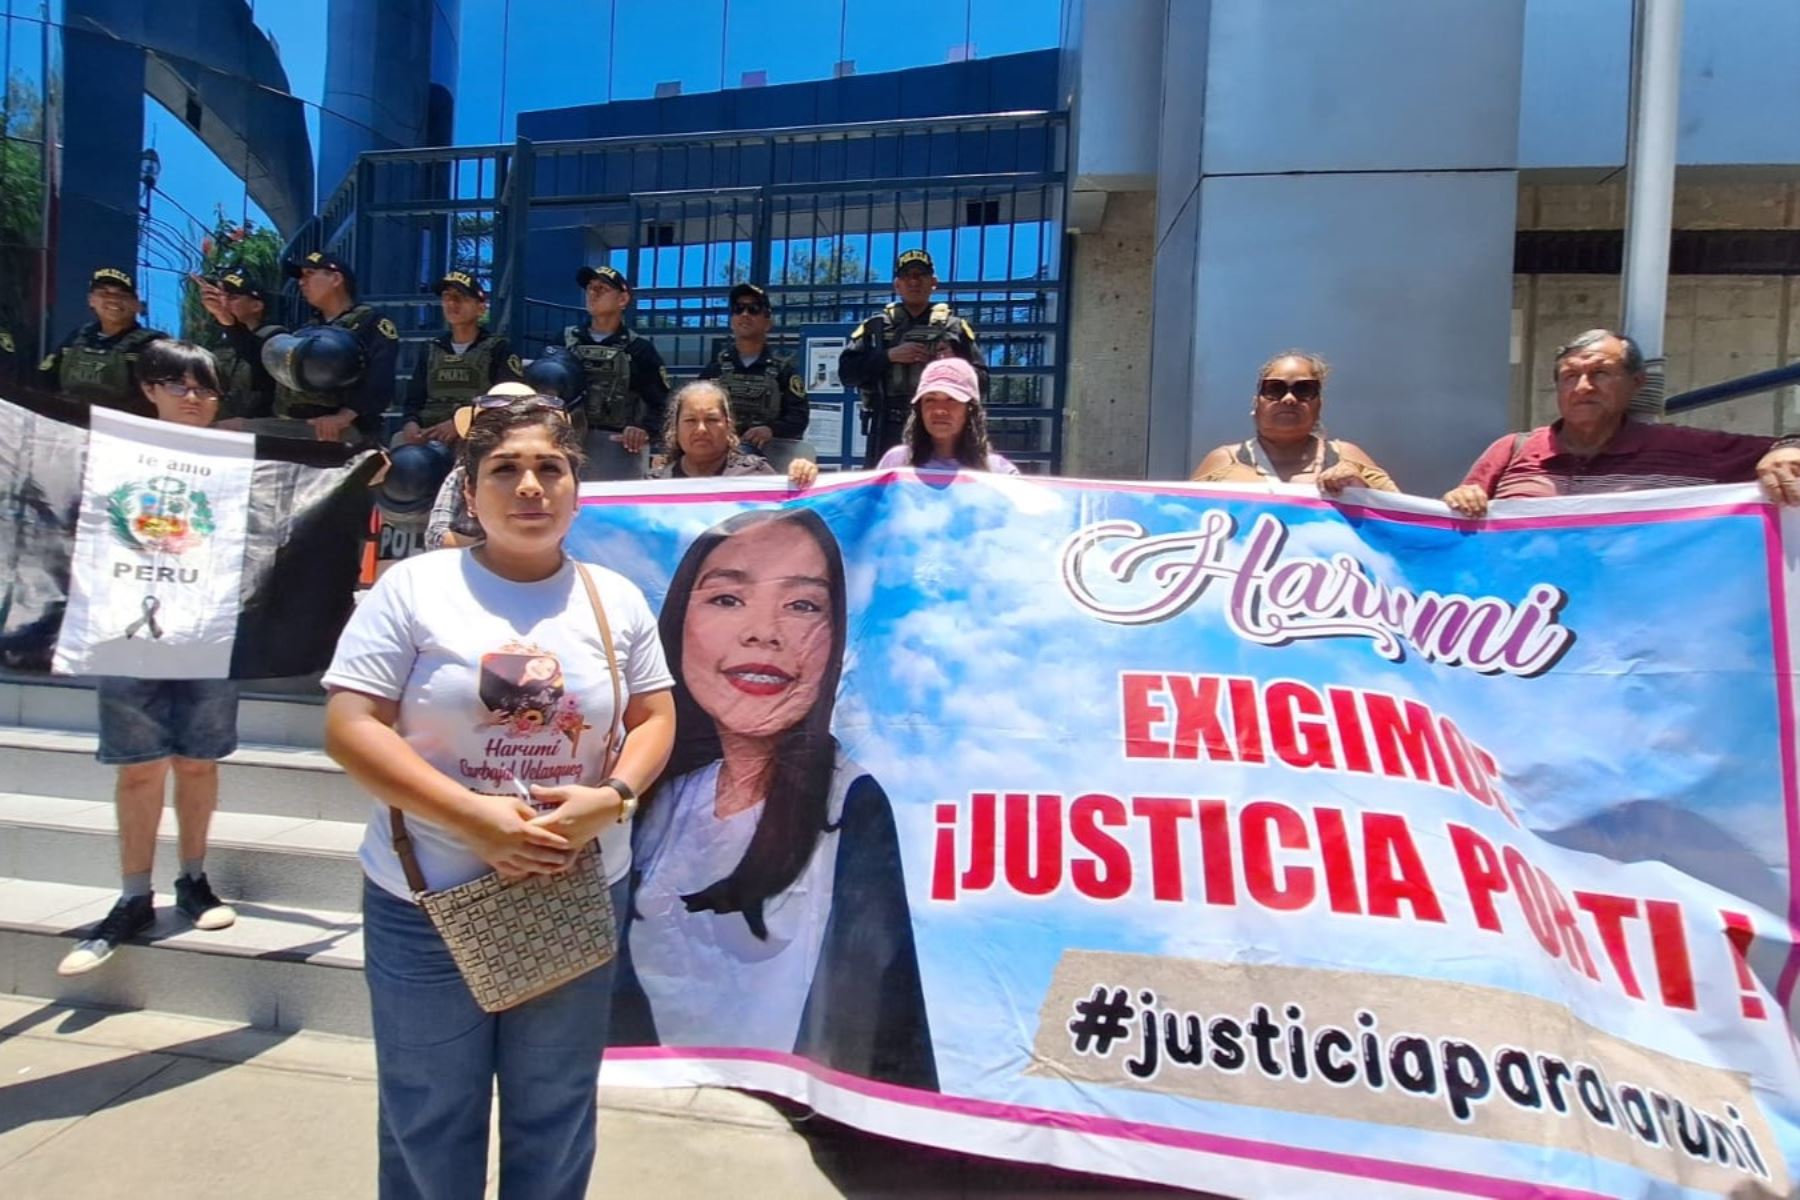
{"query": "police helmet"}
[(558, 373), (319, 358), (414, 475)]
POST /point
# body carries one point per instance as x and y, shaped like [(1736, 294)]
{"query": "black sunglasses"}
[(751, 310), (1277, 389), (466, 416)]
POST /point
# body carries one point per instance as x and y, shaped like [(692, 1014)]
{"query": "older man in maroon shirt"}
[(1594, 448)]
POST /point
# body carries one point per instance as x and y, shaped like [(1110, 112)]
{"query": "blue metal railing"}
[(1732, 389)]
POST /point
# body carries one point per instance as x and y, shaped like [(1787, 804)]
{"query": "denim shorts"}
[(142, 720)]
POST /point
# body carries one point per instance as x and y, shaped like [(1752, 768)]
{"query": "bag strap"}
[(612, 666), (403, 847)]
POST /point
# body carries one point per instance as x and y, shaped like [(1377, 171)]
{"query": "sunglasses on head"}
[(752, 310), (1277, 389), (466, 416)]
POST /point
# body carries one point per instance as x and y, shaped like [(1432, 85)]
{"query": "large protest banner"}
[(1228, 838)]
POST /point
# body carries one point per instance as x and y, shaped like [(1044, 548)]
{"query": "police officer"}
[(457, 366), (351, 413), (9, 363), (768, 397), (241, 307), (627, 384), (97, 364), (888, 352)]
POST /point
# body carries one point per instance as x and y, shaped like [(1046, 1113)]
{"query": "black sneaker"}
[(194, 897), (128, 918)]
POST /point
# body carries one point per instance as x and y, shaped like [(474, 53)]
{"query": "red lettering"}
[(1396, 872), (1086, 816), (1668, 941), (1609, 914), (1140, 714), (1295, 888), (1021, 875), (943, 858), (1215, 852), (980, 874), (1531, 900), (1340, 867), (1563, 917), (1298, 743), (1348, 720), (1406, 728), (1481, 873), (1197, 717), (1164, 815), (1246, 721)]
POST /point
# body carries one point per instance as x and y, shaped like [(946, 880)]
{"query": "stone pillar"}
[(1341, 177)]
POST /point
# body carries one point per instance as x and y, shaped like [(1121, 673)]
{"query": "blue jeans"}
[(437, 1055)]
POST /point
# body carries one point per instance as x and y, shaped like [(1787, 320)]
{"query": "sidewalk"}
[(103, 1105)]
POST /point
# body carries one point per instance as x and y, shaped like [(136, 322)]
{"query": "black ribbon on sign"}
[(151, 605)]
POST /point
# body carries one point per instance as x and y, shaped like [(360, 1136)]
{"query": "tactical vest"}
[(237, 378), (290, 402), (102, 374), (755, 394), (903, 378), (610, 403), (453, 380)]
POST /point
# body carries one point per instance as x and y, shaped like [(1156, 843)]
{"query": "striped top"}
[(1640, 456)]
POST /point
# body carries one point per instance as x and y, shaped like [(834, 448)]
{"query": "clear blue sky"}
[(519, 55)]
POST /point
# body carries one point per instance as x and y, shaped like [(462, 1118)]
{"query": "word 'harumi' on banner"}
[(1273, 602)]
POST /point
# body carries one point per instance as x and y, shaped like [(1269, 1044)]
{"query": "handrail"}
[(1732, 389)]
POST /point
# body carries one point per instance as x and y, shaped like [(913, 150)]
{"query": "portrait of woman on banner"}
[(769, 907)]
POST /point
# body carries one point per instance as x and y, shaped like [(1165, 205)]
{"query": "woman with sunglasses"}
[(472, 693), (1290, 445), (450, 526)]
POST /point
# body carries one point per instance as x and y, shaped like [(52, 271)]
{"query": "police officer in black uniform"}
[(457, 366), (351, 413), (768, 397), (888, 352), (241, 307), (97, 364), (627, 384)]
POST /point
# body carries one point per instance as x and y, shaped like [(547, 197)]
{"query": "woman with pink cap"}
[(947, 430)]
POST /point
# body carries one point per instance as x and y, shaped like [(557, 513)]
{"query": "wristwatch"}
[(628, 797)]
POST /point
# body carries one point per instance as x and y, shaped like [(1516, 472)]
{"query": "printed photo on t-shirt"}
[(523, 692)]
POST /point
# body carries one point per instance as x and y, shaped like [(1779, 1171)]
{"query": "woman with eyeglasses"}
[(701, 434), (472, 693), (1290, 445)]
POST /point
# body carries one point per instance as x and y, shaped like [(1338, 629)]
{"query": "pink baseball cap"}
[(952, 377)]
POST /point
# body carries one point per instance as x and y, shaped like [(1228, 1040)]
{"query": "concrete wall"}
[(1719, 326), (1106, 421)]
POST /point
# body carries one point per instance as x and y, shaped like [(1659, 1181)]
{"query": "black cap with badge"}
[(610, 276), (914, 258), (463, 282), (318, 260), (748, 289), (111, 277), (239, 283)]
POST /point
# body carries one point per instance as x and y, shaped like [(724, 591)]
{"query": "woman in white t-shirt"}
[(947, 428), (769, 908), (471, 692)]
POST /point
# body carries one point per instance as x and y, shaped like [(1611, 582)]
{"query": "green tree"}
[(252, 248), (21, 206), (826, 262)]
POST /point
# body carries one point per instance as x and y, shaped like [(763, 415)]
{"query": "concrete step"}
[(279, 781), (272, 718), (250, 857), (280, 967)]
